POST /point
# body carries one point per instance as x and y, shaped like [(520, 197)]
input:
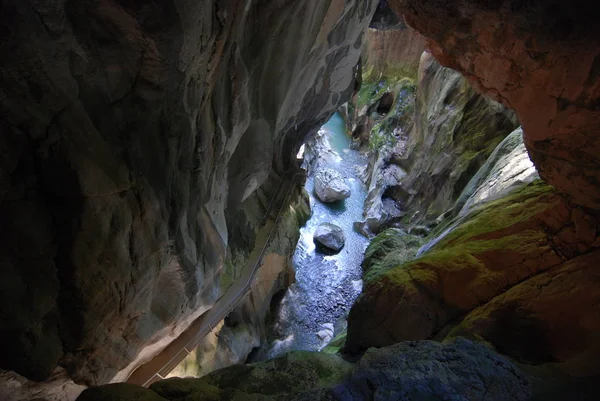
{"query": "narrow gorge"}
[(299, 200)]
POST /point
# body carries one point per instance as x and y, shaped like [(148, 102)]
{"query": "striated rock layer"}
[(133, 135), (392, 51), (542, 59)]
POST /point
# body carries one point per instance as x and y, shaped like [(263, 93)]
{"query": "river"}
[(326, 285)]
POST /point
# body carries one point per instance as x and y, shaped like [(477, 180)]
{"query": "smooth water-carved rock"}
[(330, 236), (331, 186), (428, 370), (380, 211), (131, 133), (455, 131), (244, 328), (507, 168)]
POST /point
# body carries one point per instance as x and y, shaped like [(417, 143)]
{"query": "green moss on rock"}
[(289, 374), (387, 250), (336, 343), (495, 247)]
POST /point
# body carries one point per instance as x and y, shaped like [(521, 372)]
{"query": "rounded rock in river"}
[(330, 237), (330, 186)]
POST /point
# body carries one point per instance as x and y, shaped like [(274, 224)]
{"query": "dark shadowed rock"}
[(131, 133), (119, 392), (330, 236), (428, 370), (412, 371)]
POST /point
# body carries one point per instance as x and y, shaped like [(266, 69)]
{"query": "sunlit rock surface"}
[(539, 58), (331, 186), (133, 135), (330, 236), (392, 51)]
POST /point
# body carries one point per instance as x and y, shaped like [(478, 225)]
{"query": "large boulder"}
[(330, 236), (330, 186), (427, 370)]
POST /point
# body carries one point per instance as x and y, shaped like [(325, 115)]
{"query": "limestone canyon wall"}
[(392, 51), (132, 133), (540, 58)]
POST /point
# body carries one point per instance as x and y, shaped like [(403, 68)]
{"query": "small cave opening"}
[(385, 103)]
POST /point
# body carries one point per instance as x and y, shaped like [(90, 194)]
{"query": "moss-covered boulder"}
[(498, 245), (291, 374), (387, 250)]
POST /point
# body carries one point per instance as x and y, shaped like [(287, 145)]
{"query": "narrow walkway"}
[(159, 367)]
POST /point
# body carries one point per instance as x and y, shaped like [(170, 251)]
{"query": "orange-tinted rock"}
[(552, 317), (392, 50), (541, 58)]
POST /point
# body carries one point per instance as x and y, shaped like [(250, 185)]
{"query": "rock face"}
[(330, 186), (330, 236), (133, 136), (532, 232), (384, 18), (541, 59), (550, 317), (507, 168), (455, 131), (427, 370), (244, 328), (391, 51), (423, 370)]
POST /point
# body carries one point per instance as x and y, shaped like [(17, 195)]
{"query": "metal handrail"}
[(186, 350)]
